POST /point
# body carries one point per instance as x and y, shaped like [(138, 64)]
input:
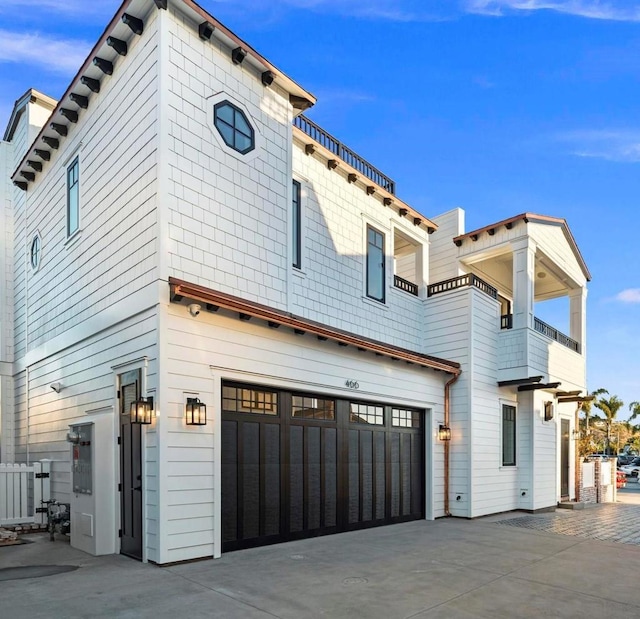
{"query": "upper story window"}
[(73, 197), (234, 127), (508, 435), (34, 252), (296, 223), (375, 264)]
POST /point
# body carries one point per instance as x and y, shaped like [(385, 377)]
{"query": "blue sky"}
[(496, 106)]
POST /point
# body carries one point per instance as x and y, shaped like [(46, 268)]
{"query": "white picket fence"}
[(22, 490)]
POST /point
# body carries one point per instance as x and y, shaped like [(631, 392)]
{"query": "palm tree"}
[(585, 407), (634, 407), (610, 407)]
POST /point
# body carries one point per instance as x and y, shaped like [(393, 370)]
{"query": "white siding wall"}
[(545, 454), (6, 253), (330, 286), (205, 350), (448, 335), (547, 358), (556, 361), (6, 304), (443, 262), (19, 243), (228, 215), (114, 254)]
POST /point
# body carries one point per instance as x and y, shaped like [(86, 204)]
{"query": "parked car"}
[(621, 479), (624, 459), (631, 470)]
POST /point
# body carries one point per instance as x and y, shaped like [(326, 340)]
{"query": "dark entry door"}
[(130, 469), (564, 457), (299, 465)]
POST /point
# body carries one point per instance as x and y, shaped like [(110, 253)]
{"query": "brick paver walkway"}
[(612, 522)]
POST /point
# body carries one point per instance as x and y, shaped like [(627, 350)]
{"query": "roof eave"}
[(527, 217)]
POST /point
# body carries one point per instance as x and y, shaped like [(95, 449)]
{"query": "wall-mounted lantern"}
[(548, 411), (142, 411), (444, 433), (196, 412)]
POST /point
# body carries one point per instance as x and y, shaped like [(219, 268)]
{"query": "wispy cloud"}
[(611, 145), (387, 10), (614, 10), (80, 9), (57, 55), (630, 295)]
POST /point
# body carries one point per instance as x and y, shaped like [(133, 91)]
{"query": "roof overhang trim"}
[(181, 289), (531, 217), (302, 138), (304, 98)]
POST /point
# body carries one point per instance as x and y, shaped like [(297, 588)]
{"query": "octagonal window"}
[(234, 127)]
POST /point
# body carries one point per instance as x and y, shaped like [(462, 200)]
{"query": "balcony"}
[(533, 350), (506, 322), (333, 145)]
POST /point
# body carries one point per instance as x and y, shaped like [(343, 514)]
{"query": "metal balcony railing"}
[(554, 334), (405, 285), (326, 140), (463, 281), (506, 322)]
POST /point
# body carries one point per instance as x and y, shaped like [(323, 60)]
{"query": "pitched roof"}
[(532, 217)]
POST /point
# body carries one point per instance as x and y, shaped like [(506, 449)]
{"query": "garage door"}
[(297, 465)]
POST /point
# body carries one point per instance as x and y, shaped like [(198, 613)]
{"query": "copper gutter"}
[(447, 421), (181, 289)]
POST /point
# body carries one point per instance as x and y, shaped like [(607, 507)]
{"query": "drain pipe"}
[(447, 422)]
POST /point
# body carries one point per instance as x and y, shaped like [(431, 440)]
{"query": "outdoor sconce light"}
[(444, 433), (142, 411), (576, 434), (548, 411), (196, 412)]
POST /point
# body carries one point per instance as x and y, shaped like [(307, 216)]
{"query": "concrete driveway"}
[(444, 569)]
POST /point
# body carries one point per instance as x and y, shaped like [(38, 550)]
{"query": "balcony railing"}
[(506, 321), (554, 334), (463, 281), (405, 285), (343, 152)]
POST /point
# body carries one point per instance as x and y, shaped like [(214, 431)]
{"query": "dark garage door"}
[(297, 465)]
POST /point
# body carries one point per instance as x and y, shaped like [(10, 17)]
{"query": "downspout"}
[(447, 417)]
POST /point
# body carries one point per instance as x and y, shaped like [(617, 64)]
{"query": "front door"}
[(564, 458), (130, 468)]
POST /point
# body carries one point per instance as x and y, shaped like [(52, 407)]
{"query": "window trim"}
[(34, 238), (296, 224), (506, 432), (233, 127), (75, 163), (383, 266)]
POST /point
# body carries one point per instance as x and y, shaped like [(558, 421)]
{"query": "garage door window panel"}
[(254, 401)]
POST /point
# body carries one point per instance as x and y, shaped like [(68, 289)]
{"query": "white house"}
[(178, 234)]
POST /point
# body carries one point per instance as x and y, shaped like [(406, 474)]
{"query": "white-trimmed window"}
[(508, 435), (375, 264), (73, 197), (296, 224)]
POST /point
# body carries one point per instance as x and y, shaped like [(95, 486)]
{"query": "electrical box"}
[(93, 487), (82, 459)]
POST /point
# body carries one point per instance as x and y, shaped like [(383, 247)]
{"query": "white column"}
[(524, 255), (578, 317)]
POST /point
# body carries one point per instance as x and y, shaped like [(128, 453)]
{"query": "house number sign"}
[(352, 384)]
